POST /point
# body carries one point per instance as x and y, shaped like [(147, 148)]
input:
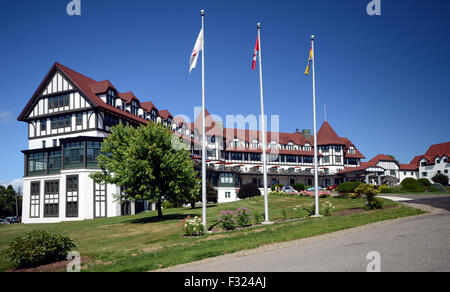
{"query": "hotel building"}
[(70, 114)]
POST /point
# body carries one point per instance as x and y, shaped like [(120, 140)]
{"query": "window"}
[(72, 196), (392, 172), (307, 159), (59, 101), (307, 147), (351, 161), (352, 150), (423, 164), (338, 159), (325, 149), (326, 159), (412, 173), (227, 195), (74, 154), (424, 174), (438, 172), (273, 145), (337, 148), (255, 157), (254, 144), (235, 143), (43, 144), (51, 199), (55, 143), (35, 199), (111, 121), (236, 156), (226, 178), (134, 107), (291, 158), (438, 161), (54, 161), (99, 200), (404, 173), (61, 122), (154, 115), (111, 98), (445, 160), (290, 146), (37, 163), (446, 171), (274, 181), (79, 119), (92, 151), (43, 125)]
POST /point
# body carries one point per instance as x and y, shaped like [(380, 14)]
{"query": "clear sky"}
[(385, 79)]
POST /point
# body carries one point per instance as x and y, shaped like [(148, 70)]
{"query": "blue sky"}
[(384, 79)]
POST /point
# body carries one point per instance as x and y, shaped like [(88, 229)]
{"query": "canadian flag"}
[(255, 54), (197, 48)]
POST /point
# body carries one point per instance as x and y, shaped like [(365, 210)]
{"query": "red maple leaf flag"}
[(255, 54)]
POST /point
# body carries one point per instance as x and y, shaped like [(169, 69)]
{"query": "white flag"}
[(198, 47)]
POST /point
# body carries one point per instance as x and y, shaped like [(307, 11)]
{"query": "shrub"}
[(258, 218), (192, 227), (211, 193), (412, 185), (447, 189), (327, 207), (298, 212), (299, 187), (440, 178), (348, 187), (276, 187), (39, 248), (384, 189), (438, 187), (311, 210), (248, 191), (243, 217), (227, 220), (424, 182), (370, 192)]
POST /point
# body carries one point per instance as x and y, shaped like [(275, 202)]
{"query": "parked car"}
[(288, 189), (313, 189), (4, 222), (12, 220), (330, 188)]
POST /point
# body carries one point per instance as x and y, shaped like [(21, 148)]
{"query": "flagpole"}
[(203, 125), (263, 129), (316, 170)]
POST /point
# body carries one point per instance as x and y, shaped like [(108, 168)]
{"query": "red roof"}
[(86, 86), (102, 86), (381, 157), (437, 150), (165, 114), (327, 136), (128, 97), (148, 106)]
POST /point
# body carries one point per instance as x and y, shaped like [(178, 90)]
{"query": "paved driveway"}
[(411, 244)]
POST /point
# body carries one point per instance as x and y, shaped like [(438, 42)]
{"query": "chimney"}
[(306, 134), (296, 131)]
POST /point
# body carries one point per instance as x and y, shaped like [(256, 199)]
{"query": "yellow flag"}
[(309, 62)]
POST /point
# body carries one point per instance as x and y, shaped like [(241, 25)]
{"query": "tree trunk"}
[(193, 205), (159, 207)]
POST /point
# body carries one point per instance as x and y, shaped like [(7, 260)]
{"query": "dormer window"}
[(134, 107), (235, 143), (273, 145), (307, 147), (111, 98), (154, 115), (352, 150), (290, 146)]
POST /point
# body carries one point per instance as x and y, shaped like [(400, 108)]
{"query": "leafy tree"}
[(299, 187), (440, 178), (8, 202), (146, 164), (248, 191), (211, 194)]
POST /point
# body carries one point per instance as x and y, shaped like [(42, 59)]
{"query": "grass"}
[(143, 242)]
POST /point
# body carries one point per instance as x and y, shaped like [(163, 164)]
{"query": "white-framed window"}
[(307, 147), (290, 146), (227, 195), (273, 145), (352, 150)]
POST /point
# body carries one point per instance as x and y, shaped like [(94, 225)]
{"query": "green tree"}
[(211, 194), (8, 202), (440, 178), (147, 164)]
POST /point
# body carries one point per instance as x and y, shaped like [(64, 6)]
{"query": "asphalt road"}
[(414, 244)]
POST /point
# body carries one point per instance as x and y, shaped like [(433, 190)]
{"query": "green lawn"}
[(142, 242)]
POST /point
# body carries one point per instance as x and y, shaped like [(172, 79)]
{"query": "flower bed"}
[(322, 194), (192, 227)]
